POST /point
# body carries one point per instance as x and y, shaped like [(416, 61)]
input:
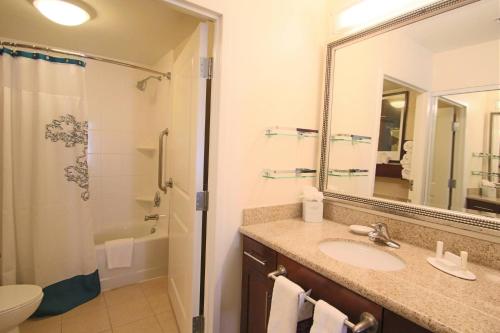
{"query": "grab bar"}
[(367, 322), (161, 185)]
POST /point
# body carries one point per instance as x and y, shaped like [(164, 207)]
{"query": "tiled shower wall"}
[(122, 119)]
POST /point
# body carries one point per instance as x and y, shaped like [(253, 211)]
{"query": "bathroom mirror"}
[(392, 126), (418, 98)]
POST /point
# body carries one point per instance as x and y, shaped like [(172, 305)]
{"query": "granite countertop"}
[(419, 292)]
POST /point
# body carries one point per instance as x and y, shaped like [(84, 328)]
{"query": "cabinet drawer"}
[(258, 257), (342, 298)]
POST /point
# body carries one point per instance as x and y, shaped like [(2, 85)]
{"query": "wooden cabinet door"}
[(397, 324), (340, 297), (256, 292)]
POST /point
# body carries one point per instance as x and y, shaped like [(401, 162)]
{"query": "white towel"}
[(406, 160), (119, 252), (406, 174), (328, 319), (285, 306), (408, 146)]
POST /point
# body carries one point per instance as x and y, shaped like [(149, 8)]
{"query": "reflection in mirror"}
[(392, 173), (464, 170), (494, 151), (392, 121), (427, 96), (447, 175)]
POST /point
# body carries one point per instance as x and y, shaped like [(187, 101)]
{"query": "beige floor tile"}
[(159, 303), (154, 286), (128, 312), (42, 325), (167, 322), (88, 321), (97, 303), (122, 295), (146, 325)]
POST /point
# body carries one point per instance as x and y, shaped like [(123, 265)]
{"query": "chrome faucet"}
[(155, 217), (381, 235)]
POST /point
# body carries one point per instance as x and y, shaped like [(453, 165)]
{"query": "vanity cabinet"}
[(259, 260), (392, 323), (482, 205), (257, 288)]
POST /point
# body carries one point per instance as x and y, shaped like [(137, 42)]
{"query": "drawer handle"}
[(262, 262), (266, 308), (483, 208)]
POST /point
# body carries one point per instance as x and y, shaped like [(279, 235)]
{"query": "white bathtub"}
[(150, 256)]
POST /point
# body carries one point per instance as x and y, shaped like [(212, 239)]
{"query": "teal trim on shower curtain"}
[(41, 56), (64, 295)]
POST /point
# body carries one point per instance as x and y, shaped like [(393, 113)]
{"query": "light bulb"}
[(62, 12)]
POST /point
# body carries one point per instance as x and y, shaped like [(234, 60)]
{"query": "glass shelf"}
[(145, 199), (291, 131), (484, 173), (295, 173), (486, 155), (348, 172), (353, 138), (148, 149)]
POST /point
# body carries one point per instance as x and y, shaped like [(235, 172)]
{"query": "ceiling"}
[(390, 85), (469, 25), (138, 31)]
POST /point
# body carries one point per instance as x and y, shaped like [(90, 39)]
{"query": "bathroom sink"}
[(361, 255)]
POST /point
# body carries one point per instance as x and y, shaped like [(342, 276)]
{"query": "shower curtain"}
[(46, 232)]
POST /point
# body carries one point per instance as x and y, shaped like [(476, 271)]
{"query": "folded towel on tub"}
[(119, 252)]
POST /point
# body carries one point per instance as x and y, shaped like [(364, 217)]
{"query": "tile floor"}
[(138, 308)]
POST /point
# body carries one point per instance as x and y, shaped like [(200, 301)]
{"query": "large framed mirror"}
[(411, 121)]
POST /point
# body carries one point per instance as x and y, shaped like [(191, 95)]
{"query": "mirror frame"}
[(418, 212), (490, 148)]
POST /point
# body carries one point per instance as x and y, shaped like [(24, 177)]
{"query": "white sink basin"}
[(361, 255)]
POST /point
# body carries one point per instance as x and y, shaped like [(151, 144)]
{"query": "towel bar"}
[(367, 322)]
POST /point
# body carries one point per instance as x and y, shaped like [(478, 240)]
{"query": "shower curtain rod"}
[(86, 56)]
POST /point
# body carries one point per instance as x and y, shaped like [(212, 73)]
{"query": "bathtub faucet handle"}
[(154, 217)]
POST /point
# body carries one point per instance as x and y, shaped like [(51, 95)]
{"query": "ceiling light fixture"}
[(397, 104), (65, 12)]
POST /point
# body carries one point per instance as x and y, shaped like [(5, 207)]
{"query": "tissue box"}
[(489, 192), (312, 211)]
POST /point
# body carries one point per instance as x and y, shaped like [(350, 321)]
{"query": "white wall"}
[(467, 67), (272, 54), (122, 118)]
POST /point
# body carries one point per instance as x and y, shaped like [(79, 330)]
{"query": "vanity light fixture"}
[(369, 12), (64, 12)]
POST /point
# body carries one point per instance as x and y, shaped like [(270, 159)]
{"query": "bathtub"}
[(150, 254)]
